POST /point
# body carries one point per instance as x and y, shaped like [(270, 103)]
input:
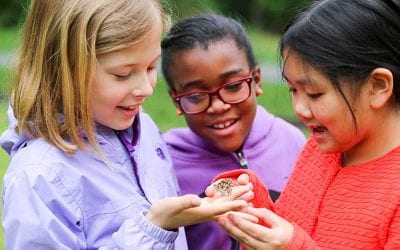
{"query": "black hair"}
[(201, 30), (347, 40)]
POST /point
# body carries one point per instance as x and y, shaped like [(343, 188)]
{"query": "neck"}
[(382, 138)]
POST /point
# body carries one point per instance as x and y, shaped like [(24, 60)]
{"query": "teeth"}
[(222, 125), (319, 129)]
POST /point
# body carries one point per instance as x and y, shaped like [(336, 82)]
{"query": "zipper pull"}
[(242, 159)]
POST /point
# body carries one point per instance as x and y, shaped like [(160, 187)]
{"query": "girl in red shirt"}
[(341, 61)]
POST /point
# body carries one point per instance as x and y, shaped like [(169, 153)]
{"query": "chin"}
[(121, 126), (226, 148)]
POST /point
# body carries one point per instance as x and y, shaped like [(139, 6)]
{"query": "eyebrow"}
[(194, 83), (301, 81), (135, 64)]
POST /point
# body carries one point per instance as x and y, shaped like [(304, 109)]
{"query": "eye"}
[(151, 68), (121, 77), (233, 87), (194, 98), (292, 90), (314, 96)]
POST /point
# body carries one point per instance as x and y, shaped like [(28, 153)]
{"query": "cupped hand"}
[(254, 236), (242, 180), (173, 212)]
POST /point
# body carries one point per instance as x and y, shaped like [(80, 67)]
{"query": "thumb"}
[(184, 202)]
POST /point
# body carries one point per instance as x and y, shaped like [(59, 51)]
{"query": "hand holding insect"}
[(226, 185), (174, 212)]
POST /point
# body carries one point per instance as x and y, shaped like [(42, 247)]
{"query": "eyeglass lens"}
[(231, 93)]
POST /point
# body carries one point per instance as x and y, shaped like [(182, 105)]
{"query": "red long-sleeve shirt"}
[(356, 207)]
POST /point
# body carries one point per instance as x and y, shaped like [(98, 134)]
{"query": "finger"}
[(266, 215), (235, 232), (253, 230), (221, 208), (243, 179), (246, 216), (239, 191), (177, 204), (231, 229), (246, 196), (210, 191)]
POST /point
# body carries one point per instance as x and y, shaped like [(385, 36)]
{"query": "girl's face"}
[(223, 125), (123, 80), (320, 106)]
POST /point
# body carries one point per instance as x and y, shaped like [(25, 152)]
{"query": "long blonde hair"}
[(60, 43)]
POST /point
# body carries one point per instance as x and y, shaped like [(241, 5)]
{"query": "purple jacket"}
[(270, 149), (52, 201)]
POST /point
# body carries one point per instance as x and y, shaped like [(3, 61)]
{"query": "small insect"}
[(224, 186)]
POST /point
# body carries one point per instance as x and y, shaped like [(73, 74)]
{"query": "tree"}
[(12, 12)]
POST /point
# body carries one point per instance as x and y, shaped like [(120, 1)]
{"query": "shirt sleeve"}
[(393, 241), (301, 240)]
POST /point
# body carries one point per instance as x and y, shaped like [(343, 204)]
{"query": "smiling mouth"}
[(319, 129), (223, 125), (128, 107)]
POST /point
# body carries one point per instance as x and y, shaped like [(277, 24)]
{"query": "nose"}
[(144, 87), (217, 105), (302, 109)]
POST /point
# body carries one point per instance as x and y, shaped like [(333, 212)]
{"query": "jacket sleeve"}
[(34, 216), (39, 213), (9, 139), (135, 234)]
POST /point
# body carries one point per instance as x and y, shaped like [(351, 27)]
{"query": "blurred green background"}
[(264, 20)]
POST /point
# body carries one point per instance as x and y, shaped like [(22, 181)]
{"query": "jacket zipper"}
[(242, 159), (235, 245)]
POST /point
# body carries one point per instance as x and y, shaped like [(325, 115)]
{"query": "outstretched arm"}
[(174, 212)]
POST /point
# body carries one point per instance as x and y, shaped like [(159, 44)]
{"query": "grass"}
[(265, 45), (8, 39)]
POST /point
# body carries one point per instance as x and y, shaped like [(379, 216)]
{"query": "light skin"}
[(123, 80), (322, 109), (223, 125)]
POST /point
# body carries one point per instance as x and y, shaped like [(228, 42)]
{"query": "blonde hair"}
[(61, 41)]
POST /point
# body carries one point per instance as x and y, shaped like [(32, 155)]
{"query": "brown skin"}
[(207, 69)]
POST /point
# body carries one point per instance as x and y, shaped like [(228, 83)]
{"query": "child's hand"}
[(173, 212), (218, 188), (254, 236)]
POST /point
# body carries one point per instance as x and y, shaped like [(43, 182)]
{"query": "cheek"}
[(195, 122), (153, 78)]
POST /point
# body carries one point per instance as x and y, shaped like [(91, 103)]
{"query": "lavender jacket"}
[(270, 149), (52, 201)]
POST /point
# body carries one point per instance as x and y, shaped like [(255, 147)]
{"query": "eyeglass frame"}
[(248, 79)]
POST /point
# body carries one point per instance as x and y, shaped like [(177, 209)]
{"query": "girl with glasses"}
[(88, 168), (213, 79)]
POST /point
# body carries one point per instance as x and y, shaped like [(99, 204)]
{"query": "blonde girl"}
[(88, 168)]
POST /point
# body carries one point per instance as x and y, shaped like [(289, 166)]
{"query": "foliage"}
[(12, 12), (270, 15)]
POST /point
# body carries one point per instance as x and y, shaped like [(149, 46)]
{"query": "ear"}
[(380, 87), (172, 93), (257, 80)]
